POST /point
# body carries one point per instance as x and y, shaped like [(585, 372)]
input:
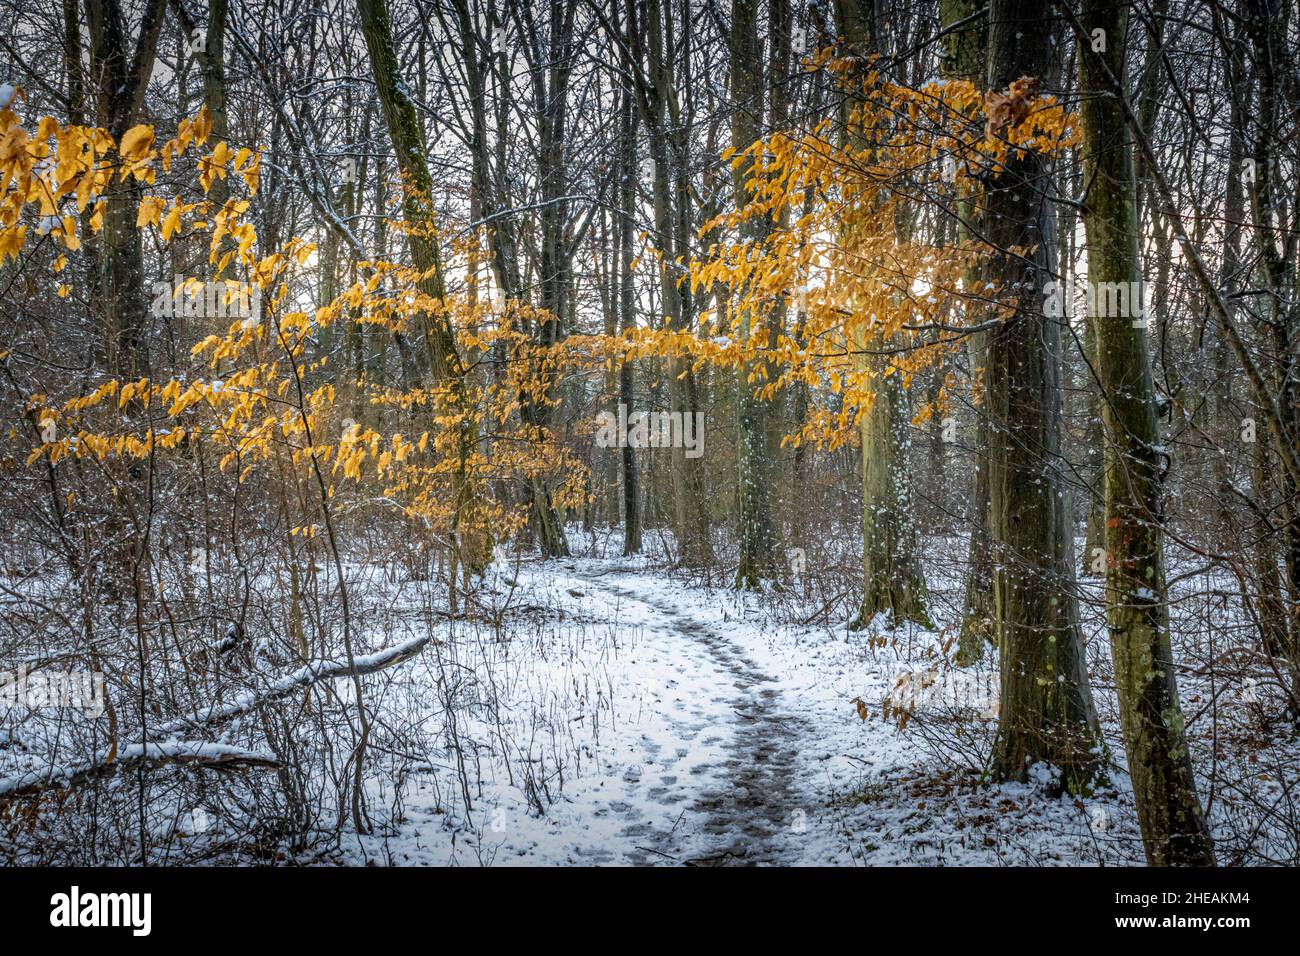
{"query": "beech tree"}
[(447, 368), (1046, 711), (893, 582), (754, 452), (1173, 827)]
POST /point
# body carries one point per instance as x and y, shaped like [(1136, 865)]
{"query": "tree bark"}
[(120, 287), (626, 292), (1174, 831), (656, 93), (962, 57), (1047, 713), (754, 479), (893, 582), (473, 542)]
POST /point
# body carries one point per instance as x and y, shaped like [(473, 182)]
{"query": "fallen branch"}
[(824, 611), (106, 763), (200, 753), (303, 677)]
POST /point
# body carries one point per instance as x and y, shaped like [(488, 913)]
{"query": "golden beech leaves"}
[(821, 279), (172, 222), (136, 143), (839, 248), (253, 391), (151, 208), (60, 166)]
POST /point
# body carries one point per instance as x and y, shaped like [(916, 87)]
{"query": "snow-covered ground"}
[(607, 711), (642, 721)]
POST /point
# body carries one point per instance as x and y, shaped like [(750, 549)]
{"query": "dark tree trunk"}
[(754, 479), (1047, 713)]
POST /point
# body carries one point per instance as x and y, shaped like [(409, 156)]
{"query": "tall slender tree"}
[(447, 368), (626, 295), (893, 582), (1173, 826), (122, 77), (753, 454), (1046, 712), (962, 57), (652, 33)]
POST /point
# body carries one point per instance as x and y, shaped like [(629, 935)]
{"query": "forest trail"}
[(670, 724), (734, 812)]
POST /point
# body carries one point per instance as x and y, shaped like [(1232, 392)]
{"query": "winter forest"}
[(650, 433)]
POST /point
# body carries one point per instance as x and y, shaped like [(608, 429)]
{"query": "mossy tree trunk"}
[(626, 293), (1174, 831), (1046, 711), (1095, 529), (122, 77), (962, 57), (473, 541), (893, 582), (754, 479)]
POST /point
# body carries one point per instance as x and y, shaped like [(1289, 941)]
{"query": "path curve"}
[(738, 820)]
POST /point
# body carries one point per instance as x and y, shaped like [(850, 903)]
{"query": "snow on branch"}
[(200, 753), (303, 677), (106, 763)]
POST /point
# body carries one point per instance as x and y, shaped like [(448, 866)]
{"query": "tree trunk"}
[(551, 82), (657, 102), (120, 287), (626, 289), (473, 541), (754, 480), (1173, 827), (962, 57), (1046, 713), (893, 582)]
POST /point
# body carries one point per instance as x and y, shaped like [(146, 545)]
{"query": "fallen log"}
[(201, 753), (303, 677), (195, 753)]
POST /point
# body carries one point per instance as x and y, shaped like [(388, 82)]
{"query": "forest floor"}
[(633, 719), (600, 710)]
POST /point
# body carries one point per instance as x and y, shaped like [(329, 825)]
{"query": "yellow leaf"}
[(69, 234), (172, 222), (136, 142), (151, 208)]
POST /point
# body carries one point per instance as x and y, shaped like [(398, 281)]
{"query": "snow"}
[(165, 750), (607, 711), (305, 675), (690, 727)]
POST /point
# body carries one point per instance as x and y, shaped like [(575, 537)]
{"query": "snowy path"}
[(664, 724), (738, 806), (670, 727)]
